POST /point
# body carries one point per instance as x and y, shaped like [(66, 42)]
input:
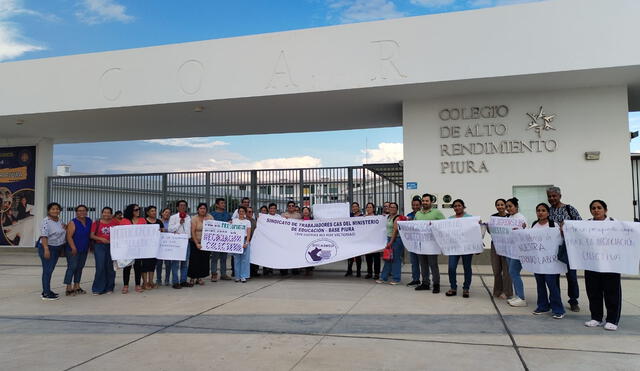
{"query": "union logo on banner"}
[(11, 175), (321, 250)]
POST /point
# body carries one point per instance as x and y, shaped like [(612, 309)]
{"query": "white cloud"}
[(12, 42), (364, 10), (285, 162), (188, 142), (101, 11), (386, 152)]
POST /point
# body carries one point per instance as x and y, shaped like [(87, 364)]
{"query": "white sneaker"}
[(593, 323), (610, 326), (512, 299), (518, 303)]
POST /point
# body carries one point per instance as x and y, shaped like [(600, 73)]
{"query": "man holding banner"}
[(429, 262), (559, 212)]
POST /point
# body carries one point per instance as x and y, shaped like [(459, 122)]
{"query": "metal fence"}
[(368, 183)]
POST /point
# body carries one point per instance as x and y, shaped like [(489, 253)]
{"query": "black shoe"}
[(413, 283), (358, 274), (184, 284), (436, 289), (423, 287), (348, 274), (368, 276), (177, 286), (376, 276), (575, 307)]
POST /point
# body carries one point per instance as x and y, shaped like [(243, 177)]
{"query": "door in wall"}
[(528, 197)]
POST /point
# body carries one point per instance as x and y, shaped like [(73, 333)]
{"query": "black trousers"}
[(604, 286), (137, 273), (358, 260), (373, 261)]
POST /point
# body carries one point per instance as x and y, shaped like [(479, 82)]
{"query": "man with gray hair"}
[(560, 212)]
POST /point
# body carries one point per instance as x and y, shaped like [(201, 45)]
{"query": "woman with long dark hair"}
[(515, 267), (131, 216), (50, 244), (603, 286), (459, 210), (198, 259), (502, 285), (77, 248), (149, 264), (165, 214), (372, 259), (105, 277)]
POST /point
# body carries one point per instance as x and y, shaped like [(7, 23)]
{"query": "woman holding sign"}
[(514, 264), (105, 277), (603, 285), (502, 286), (393, 266), (550, 300), (373, 259), (241, 261), (458, 208), (149, 264), (198, 259), (132, 216)]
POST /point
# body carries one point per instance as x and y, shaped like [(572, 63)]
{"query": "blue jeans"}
[(75, 265), (105, 278), (415, 266), (514, 271), (553, 301), (179, 269), (242, 263), (167, 271), (222, 256), (453, 266), (394, 266), (48, 265)]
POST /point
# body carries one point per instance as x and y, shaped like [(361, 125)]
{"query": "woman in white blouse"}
[(52, 239)]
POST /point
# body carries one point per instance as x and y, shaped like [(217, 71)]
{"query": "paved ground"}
[(327, 322)]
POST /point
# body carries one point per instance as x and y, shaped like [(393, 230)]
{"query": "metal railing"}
[(306, 187)]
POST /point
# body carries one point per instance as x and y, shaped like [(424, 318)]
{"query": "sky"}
[(32, 29)]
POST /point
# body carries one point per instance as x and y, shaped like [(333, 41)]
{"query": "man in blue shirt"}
[(416, 204), (220, 214)]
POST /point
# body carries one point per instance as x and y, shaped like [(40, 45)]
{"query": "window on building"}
[(289, 189)]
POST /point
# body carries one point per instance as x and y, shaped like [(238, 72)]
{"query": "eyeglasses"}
[(136, 209)]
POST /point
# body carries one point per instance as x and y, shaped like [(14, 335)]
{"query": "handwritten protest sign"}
[(459, 236), (223, 237), (173, 246), (331, 211), (538, 250), (501, 230), (139, 241), (417, 237), (603, 246)]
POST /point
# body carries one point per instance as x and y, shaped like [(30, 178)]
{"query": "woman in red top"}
[(105, 277), (131, 216)]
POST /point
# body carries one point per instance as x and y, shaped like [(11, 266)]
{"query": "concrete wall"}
[(586, 120)]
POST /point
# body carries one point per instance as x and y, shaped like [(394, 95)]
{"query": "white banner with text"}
[(286, 243), (459, 236), (603, 246), (538, 250), (501, 230), (223, 237), (139, 241), (417, 237)]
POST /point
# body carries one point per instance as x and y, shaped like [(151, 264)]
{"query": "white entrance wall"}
[(586, 120)]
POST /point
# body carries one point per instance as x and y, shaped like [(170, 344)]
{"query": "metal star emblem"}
[(537, 126)]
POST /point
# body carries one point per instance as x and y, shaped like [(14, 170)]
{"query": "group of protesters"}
[(81, 234)]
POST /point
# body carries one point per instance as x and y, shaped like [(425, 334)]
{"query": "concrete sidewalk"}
[(324, 322)]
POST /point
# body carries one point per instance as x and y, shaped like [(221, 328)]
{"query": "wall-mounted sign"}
[(412, 185), (485, 133)]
